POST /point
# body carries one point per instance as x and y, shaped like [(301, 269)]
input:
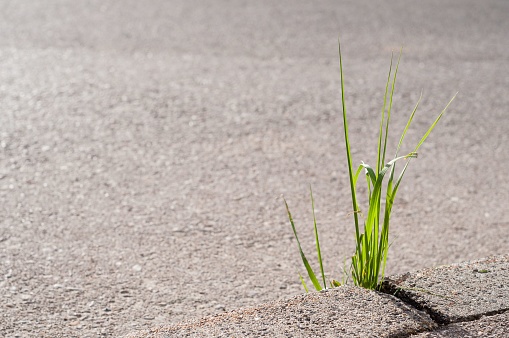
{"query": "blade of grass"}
[(391, 177), (408, 125), (380, 133), (390, 107), (303, 283), (434, 124), (370, 172), (348, 153), (398, 181), (369, 239), (311, 274), (318, 251)]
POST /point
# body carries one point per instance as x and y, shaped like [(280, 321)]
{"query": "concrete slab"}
[(457, 292), (342, 312), (492, 326)]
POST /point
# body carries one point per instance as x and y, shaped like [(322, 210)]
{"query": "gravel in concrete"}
[(342, 312), (458, 292), (496, 326)]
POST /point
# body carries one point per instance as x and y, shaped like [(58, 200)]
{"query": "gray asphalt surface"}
[(144, 147)]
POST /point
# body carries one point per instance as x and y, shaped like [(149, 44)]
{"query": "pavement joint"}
[(457, 302)]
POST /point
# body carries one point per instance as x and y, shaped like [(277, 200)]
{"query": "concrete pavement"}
[(460, 300)]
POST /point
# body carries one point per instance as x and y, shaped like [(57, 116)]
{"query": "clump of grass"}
[(367, 268)]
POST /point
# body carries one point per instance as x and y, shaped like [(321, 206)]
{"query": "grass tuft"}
[(367, 268)]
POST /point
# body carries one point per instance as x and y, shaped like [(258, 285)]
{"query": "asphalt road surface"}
[(144, 146)]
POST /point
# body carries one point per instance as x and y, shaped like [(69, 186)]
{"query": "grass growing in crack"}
[(367, 268)]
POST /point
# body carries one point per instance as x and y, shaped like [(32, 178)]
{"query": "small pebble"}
[(220, 307), (25, 297)]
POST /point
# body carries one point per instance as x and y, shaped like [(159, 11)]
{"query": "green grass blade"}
[(380, 133), (384, 237), (371, 247), (370, 172), (368, 183), (408, 125), (389, 201), (348, 153), (311, 274), (303, 283), (356, 176), (390, 107), (389, 164), (434, 124), (391, 176), (398, 181), (318, 251)]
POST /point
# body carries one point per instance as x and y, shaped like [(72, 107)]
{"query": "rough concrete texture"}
[(496, 326), (341, 312), (458, 292), (475, 295), (144, 146)]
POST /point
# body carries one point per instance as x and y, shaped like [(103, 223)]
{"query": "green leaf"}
[(390, 107), (303, 283), (370, 172), (434, 124), (348, 153), (382, 119), (408, 125), (318, 251), (303, 257)]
